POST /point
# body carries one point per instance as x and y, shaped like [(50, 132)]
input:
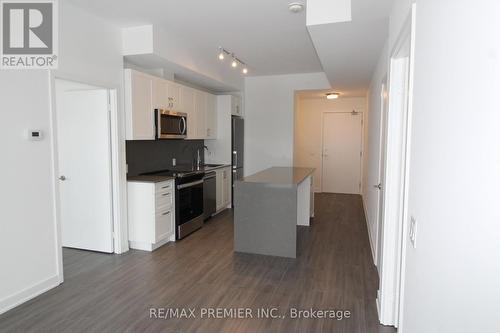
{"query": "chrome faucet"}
[(198, 157)]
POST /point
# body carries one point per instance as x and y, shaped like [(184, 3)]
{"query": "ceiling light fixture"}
[(235, 61), (221, 53), (295, 7), (332, 95)]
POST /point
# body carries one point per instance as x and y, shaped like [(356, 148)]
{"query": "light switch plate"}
[(413, 232)]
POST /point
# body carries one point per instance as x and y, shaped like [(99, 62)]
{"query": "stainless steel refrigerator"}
[(237, 134)]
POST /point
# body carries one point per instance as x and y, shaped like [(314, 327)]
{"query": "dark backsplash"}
[(148, 156)]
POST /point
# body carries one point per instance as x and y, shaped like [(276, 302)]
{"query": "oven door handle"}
[(180, 187)]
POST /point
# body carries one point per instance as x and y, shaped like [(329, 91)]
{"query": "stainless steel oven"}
[(170, 124), (189, 204)]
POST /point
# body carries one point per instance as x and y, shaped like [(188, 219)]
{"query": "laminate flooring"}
[(334, 271)]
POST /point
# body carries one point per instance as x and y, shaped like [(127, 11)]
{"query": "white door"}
[(381, 170), (83, 140), (342, 134)]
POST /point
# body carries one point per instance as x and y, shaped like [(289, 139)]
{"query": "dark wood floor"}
[(114, 293)]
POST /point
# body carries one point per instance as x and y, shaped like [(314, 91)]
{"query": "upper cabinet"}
[(144, 93), (211, 117), (187, 96), (174, 98), (236, 109), (139, 106)]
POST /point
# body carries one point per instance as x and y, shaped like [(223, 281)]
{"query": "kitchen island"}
[(268, 206)]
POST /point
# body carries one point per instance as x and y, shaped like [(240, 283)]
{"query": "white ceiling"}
[(263, 33), (349, 51)]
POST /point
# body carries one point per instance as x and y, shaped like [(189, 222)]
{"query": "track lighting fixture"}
[(235, 62), (221, 53)]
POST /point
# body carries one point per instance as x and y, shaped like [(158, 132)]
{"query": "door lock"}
[(63, 178)]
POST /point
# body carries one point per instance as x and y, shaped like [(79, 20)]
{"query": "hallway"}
[(104, 293)]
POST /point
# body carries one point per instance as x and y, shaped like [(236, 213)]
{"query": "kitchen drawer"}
[(164, 224), (164, 200), (164, 186)]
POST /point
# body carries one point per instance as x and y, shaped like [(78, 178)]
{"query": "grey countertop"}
[(149, 179), (287, 176), (157, 178)]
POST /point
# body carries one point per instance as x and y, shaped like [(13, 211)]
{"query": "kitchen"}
[(172, 129)]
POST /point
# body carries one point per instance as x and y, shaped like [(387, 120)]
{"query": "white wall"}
[(452, 276), (308, 129), (269, 117), (90, 52), (27, 226)]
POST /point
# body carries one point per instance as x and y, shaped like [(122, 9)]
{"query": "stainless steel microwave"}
[(170, 124)]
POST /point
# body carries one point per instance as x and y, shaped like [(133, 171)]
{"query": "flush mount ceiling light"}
[(235, 62), (295, 7), (332, 95)]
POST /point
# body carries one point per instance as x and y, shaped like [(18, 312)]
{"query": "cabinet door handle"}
[(165, 194), (168, 186), (166, 213)]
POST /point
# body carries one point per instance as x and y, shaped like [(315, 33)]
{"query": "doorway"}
[(342, 152), (381, 168), (395, 178), (83, 139)]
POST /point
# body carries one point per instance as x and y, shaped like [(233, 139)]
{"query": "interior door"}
[(84, 154), (381, 170), (342, 146)]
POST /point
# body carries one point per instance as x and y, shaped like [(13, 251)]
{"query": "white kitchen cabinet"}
[(236, 107), (174, 98), (200, 107), (160, 88), (139, 108), (151, 214), (211, 117), (223, 187), (187, 96), (167, 95), (144, 93)]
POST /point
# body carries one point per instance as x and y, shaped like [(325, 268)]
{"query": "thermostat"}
[(35, 135)]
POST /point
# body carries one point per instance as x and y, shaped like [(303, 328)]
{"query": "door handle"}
[(378, 186), (184, 125), (235, 154), (63, 178)]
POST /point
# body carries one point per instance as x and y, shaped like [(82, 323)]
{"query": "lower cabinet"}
[(223, 187), (151, 214)]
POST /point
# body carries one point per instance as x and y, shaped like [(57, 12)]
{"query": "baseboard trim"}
[(372, 246), (27, 294)]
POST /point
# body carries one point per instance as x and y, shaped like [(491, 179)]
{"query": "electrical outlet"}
[(413, 232)]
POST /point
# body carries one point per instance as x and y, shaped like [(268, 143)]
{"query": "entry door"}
[(342, 152), (83, 139)]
